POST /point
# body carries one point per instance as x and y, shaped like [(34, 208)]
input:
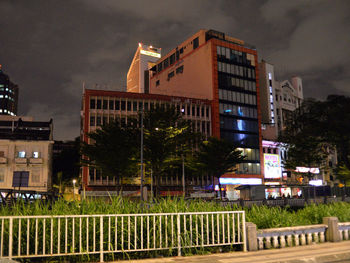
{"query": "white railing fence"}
[(48, 236)]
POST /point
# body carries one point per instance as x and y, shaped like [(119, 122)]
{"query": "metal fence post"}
[(244, 232), (101, 238), (10, 237), (178, 236)]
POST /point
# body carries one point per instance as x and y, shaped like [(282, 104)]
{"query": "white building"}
[(278, 100), (25, 154), (138, 74)]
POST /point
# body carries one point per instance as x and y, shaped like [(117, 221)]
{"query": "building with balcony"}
[(25, 154)]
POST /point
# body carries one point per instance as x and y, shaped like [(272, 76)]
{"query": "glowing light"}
[(250, 181), (149, 53), (306, 170), (140, 45), (315, 182)]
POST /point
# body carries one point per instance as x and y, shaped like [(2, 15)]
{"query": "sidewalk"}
[(318, 253)]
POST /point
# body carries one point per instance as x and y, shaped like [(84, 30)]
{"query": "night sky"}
[(49, 48)]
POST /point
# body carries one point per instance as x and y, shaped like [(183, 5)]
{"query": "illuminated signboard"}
[(250, 181), (307, 169), (149, 53), (315, 182), (272, 166)]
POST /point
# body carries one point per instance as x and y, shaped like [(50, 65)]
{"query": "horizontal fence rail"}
[(47, 236)]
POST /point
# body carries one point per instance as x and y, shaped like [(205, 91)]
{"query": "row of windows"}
[(226, 81), (99, 120), (251, 154), (241, 111), (241, 139), (235, 56), (249, 168), (230, 123), (236, 70), (135, 106), (34, 178), (237, 97), (171, 74)]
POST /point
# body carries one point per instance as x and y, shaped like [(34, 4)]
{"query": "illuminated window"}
[(35, 154), (21, 154)]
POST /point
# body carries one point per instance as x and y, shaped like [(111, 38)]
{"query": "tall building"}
[(25, 154), (278, 100), (8, 95), (213, 66), (100, 107), (138, 75)]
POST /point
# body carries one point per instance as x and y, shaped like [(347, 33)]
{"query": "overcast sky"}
[(49, 48)]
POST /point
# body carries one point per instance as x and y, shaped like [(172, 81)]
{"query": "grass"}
[(264, 217)]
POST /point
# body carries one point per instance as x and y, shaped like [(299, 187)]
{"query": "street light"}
[(74, 182)]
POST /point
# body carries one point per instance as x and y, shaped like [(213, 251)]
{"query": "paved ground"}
[(318, 253)]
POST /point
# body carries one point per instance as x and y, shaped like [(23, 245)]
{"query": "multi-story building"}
[(278, 100), (8, 95), (100, 107), (138, 74), (213, 66), (25, 154)]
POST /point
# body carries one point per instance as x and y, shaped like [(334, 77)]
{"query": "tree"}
[(114, 150), (166, 136), (66, 165), (217, 157), (316, 127)]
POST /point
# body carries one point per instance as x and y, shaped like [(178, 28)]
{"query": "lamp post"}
[(74, 182)]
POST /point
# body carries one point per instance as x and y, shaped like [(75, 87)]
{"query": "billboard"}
[(272, 166)]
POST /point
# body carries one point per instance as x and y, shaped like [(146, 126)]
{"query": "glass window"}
[(246, 98), (92, 120), (35, 154), (129, 105), (105, 104), (98, 121), (123, 105), (134, 107), (111, 104), (219, 66), (98, 104), (207, 112), (92, 103), (228, 53), (21, 154), (193, 111), (218, 50), (195, 43)]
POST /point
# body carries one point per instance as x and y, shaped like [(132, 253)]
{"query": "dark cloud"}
[(50, 47)]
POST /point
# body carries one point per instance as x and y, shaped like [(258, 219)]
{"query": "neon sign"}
[(149, 53)]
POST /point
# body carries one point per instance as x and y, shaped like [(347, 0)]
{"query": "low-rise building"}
[(25, 154)]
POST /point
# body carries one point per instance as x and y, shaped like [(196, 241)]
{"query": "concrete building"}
[(278, 100), (8, 95), (138, 75), (214, 66), (25, 154), (100, 107)]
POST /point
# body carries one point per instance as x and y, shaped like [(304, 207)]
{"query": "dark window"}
[(146, 106), (188, 110), (134, 106), (111, 104), (172, 59), (160, 67), (92, 103), (105, 104), (270, 82), (129, 106), (182, 51), (123, 105), (177, 55), (179, 69), (276, 98), (202, 112), (166, 63), (98, 104), (198, 111), (207, 112), (117, 105), (195, 43), (140, 105), (193, 109), (152, 105), (92, 120), (171, 74), (105, 120), (157, 82), (98, 121)]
